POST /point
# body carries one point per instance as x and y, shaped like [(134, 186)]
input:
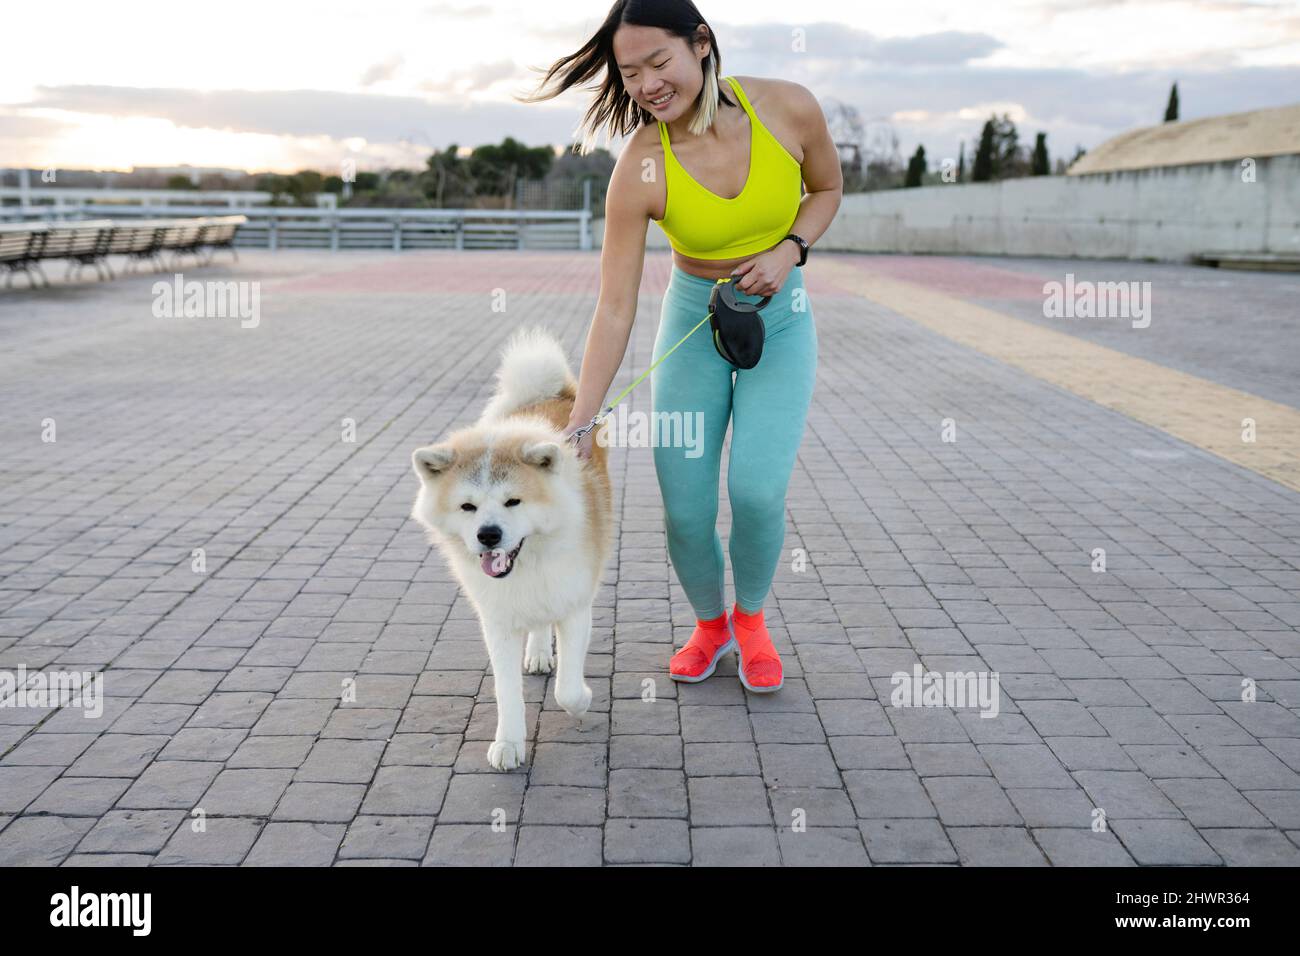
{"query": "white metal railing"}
[(296, 227), (58, 196)]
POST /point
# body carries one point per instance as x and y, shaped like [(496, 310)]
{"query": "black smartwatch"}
[(803, 247)]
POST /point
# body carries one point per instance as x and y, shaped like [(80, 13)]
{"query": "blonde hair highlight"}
[(706, 108)]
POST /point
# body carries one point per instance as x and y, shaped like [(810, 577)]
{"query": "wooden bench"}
[(24, 245)]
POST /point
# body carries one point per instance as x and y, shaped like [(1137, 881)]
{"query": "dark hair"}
[(613, 108)]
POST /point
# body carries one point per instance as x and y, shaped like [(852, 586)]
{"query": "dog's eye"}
[(512, 502), (468, 507)]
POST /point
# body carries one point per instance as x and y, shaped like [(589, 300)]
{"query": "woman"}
[(733, 152)]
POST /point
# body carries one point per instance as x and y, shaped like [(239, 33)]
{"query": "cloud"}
[(940, 108), (375, 118), (447, 10), (837, 42), (15, 126), (380, 72), (474, 79), (1114, 101), (951, 46), (820, 41), (938, 105)]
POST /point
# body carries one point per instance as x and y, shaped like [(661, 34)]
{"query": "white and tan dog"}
[(526, 527)]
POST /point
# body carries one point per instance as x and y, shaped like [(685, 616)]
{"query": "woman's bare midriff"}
[(708, 268)]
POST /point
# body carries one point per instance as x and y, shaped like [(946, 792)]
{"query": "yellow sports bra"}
[(703, 225)]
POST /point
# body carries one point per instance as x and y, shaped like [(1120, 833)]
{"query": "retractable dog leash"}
[(738, 334), (738, 329)]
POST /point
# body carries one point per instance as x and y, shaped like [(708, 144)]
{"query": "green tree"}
[(1171, 111), (275, 184), (915, 168), (496, 168), (362, 182), (180, 182), (397, 188), (446, 179), (983, 171), (1041, 166), (1000, 155), (1008, 158), (961, 162), (304, 185)]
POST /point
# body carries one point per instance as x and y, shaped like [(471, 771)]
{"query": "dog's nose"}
[(489, 535)]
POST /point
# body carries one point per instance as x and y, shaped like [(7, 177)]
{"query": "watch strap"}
[(801, 243)]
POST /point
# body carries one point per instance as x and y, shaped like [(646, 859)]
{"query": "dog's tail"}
[(533, 369)]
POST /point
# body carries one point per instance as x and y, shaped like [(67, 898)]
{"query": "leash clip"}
[(581, 433)]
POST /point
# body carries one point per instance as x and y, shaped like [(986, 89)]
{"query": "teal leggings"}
[(767, 406)]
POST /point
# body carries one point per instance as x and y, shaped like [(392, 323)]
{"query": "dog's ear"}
[(432, 460), (543, 454)]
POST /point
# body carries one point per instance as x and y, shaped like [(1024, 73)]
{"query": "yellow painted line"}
[(1200, 412)]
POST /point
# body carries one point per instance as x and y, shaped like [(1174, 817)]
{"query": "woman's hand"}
[(584, 446), (765, 274)]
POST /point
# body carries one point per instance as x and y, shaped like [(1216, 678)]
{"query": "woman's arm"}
[(823, 178), (824, 188), (622, 258)]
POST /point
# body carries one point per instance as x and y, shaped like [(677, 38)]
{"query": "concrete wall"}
[(1165, 214)]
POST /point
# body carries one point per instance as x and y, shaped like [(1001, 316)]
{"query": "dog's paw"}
[(505, 754), (538, 660), (574, 705)]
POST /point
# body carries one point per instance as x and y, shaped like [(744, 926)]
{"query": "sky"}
[(292, 85)]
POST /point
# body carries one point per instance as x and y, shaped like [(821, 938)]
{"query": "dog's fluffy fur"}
[(529, 491)]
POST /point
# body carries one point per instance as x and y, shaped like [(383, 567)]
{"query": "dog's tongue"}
[(494, 562)]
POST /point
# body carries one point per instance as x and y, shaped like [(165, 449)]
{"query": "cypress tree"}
[(1042, 166), (1171, 111), (1008, 158), (983, 171), (915, 168)]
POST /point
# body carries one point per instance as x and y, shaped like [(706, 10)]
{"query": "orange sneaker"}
[(700, 655), (760, 665)]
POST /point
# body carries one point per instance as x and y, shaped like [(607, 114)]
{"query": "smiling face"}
[(655, 64), (489, 498)]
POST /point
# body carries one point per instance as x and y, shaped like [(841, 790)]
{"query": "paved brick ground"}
[(1231, 327), (1121, 691)]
